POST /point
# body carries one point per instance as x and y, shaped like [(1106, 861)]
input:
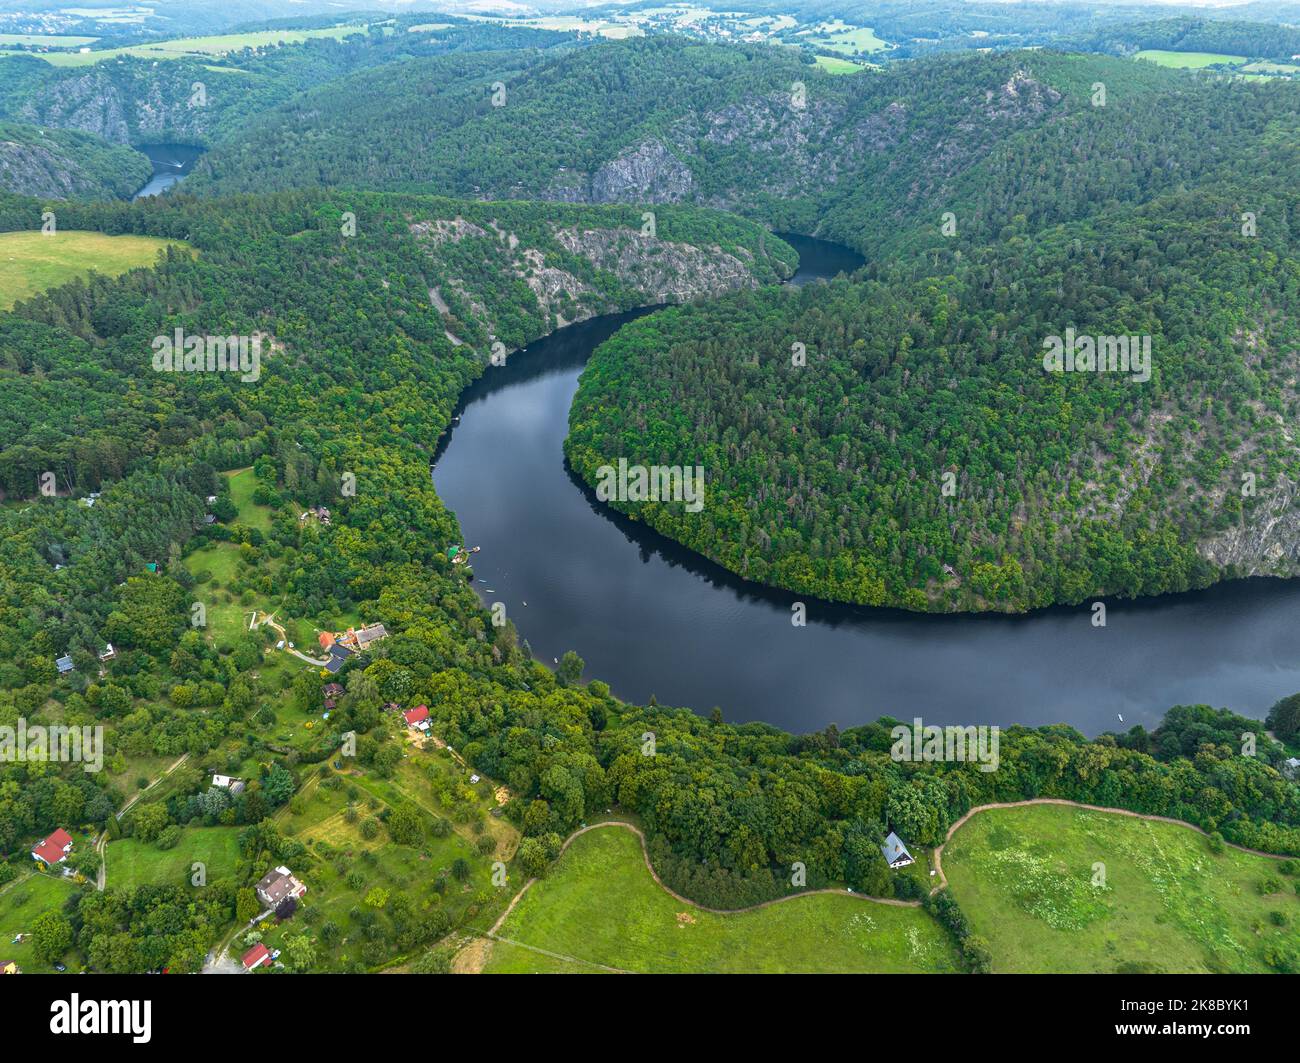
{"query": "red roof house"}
[(417, 717), (54, 849), (257, 956)]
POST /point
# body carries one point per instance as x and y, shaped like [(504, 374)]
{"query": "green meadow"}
[(134, 863), (839, 36), (599, 905), (198, 47), (22, 902), (1060, 889), (1189, 60), (838, 66), (32, 262)]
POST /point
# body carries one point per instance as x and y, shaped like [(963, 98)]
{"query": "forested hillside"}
[(862, 160), (360, 374), (132, 100), (1184, 34), (829, 478), (60, 164)]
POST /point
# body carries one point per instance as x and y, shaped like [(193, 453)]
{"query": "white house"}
[(226, 782), (895, 852), (277, 885)]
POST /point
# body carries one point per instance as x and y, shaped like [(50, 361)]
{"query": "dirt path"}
[(101, 843), (561, 956), (126, 807), (270, 621), (14, 882), (938, 853)]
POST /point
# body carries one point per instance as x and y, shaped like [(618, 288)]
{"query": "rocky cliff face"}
[(1267, 543), (664, 271), (656, 270), (647, 173), (127, 103), (35, 171), (51, 164)]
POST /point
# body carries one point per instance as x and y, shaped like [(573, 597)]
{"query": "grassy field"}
[(506, 958), (31, 262), (1023, 876), (134, 863), (242, 485), (183, 47), (839, 36), (1266, 67), (1189, 60), (838, 66), (598, 904), (21, 904)]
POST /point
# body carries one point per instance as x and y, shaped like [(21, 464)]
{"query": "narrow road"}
[(938, 853), (126, 807)]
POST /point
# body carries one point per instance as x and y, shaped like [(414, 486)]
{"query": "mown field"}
[(1189, 60), (32, 262), (134, 863), (599, 905), (1024, 878), (838, 66), (850, 40), (21, 904), (46, 40)]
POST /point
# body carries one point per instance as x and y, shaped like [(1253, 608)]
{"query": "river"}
[(650, 617), (171, 164)]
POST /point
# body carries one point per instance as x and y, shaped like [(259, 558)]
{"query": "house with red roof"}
[(417, 717), (54, 849), (258, 956)]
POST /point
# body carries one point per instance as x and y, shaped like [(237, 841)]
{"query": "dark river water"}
[(171, 163), (650, 617)]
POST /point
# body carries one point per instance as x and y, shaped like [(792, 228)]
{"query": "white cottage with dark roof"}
[(895, 852)]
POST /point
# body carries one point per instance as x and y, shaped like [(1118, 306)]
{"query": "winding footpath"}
[(495, 932)]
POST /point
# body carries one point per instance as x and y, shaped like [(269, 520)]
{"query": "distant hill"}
[(661, 119), (1257, 40)]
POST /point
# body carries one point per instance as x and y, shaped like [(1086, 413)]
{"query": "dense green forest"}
[(864, 160), (725, 805), (922, 456), (1255, 40), (139, 101)]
